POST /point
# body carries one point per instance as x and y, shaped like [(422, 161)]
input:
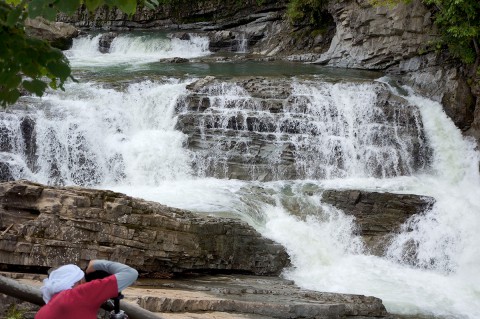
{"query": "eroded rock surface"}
[(43, 226), (272, 128), (378, 215), (260, 296)]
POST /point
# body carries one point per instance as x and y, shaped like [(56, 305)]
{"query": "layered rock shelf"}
[(42, 226), (268, 129), (233, 297)]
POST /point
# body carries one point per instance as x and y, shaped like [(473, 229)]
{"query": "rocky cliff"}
[(400, 41)]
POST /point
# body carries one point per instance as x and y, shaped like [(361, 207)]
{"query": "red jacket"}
[(81, 302)]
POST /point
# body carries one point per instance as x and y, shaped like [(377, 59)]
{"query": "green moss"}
[(14, 313)]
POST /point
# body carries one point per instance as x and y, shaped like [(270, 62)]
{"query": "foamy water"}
[(131, 50)]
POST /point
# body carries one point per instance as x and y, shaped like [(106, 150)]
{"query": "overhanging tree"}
[(31, 64)]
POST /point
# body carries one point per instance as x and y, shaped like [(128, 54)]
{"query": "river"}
[(116, 128)]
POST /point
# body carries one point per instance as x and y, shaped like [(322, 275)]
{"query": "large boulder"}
[(378, 215), (59, 34), (42, 226)]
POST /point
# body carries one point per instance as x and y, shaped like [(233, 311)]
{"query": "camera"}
[(112, 305)]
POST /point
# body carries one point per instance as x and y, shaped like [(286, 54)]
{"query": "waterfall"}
[(231, 149), (320, 130), (131, 49), (444, 280), (242, 43), (93, 136)]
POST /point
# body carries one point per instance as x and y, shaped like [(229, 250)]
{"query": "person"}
[(68, 295)]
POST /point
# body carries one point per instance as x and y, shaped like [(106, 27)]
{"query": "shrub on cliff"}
[(306, 11)]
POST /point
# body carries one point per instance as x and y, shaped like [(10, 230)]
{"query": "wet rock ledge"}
[(42, 227)]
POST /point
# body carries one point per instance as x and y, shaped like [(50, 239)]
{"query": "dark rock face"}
[(105, 41), (17, 138), (441, 79), (60, 35), (212, 14), (45, 226), (378, 215), (262, 129)]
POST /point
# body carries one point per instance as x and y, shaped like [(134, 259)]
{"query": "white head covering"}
[(60, 279)]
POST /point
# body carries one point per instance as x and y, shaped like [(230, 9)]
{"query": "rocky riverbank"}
[(43, 226), (46, 226)]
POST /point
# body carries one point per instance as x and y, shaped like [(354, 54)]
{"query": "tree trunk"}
[(33, 295)]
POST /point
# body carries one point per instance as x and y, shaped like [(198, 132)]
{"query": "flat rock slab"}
[(252, 295)]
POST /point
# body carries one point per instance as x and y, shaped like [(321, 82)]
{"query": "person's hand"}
[(90, 268)]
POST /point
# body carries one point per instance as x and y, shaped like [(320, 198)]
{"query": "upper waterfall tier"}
[(274, 129)]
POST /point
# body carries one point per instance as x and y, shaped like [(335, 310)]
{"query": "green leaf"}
[(11, 81), (14, 17), (68, 6), (42, 8), (8, 96), (127, 6), (59, 69), (93, 4), (35, 86)]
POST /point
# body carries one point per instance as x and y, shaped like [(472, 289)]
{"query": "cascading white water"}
[(125, 139), (330, 130), (445, 280), (242, 43), (95, 136), (133, 50)]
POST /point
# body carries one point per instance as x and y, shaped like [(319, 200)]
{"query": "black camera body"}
[(112, 305)]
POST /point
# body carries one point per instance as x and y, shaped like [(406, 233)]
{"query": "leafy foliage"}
[(459, 24), (24, 61), (306, 11), (31, 64)]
